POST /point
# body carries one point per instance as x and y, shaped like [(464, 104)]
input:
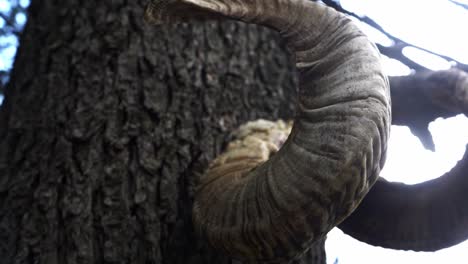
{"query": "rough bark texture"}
[(107, 121)]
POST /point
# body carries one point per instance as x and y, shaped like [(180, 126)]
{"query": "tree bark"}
[(107, 122)]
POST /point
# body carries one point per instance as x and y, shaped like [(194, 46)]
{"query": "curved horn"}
[(423, 217), (431, 215), (334, 153)]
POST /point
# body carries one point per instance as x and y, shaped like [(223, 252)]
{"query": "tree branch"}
[(420, 98), (465, 6), (395, 51)]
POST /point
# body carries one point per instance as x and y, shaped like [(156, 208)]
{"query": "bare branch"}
[(395, 51)]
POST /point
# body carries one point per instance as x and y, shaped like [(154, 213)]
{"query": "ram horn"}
[(274, 211), (423, 217), (430, 215)]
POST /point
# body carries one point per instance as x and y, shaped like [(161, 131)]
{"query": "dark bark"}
[(107, 121)]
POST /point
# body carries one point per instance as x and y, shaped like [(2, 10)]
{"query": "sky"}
[(10, 42), (437, 27)]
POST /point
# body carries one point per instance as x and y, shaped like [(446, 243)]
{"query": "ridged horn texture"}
[(427, 216), (273, 212), (423, 217)]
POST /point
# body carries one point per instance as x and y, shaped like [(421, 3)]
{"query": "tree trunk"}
[(108, 121)]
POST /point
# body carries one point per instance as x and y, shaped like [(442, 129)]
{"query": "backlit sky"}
[(439, 26)]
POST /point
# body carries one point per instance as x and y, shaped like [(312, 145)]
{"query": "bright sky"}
[(436, 25), (8, 54), (407, 160)]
